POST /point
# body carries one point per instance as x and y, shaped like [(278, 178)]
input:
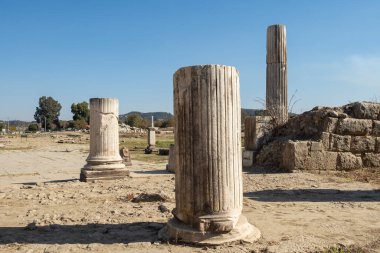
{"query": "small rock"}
[(150, 197), (163, 208)]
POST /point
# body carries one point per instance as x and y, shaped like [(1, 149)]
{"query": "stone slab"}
[(351, 126), (95, 175)]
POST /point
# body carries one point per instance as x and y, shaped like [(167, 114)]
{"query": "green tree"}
[(168, 122), (33, 127), (2, 126), (80, 124), (135, 120), (81, 111), (48, 109)]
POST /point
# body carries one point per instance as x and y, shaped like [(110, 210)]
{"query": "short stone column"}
[(151, 138), (277, 74), (208, 181), (104, 161)]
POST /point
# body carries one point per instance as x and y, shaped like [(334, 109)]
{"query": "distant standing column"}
[(208, 181), (104, 161), (277, 74)]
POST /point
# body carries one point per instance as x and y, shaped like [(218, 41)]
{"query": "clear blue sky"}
[(73, 50)]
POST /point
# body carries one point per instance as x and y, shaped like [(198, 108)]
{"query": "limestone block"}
[(377, 148), (371, 160), (321, 160), (361, 144), (325, 139), (316, 146), (340, 142), (294, 155), (248, 158), (376, 128), (351, 126), (330, 124), (348, 161)]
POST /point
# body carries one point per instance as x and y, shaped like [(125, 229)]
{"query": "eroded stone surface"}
[(340, 142), (104, 161), (348, 161), (208, 182), (351, 126), (361, 144)]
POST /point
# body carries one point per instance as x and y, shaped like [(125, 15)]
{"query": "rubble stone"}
[(363, 110)]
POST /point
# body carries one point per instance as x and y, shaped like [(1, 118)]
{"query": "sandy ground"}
[(44, 208)]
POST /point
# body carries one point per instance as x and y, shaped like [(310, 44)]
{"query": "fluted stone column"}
[(277, 74), (208, 181), (104, 161)]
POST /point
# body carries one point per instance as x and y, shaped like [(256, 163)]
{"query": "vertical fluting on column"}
[(277, 74), (104, 160), (208, 181)]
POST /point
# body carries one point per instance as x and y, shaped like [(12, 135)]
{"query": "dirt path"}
[(296, 212)]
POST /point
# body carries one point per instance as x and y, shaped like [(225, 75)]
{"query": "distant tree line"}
[(48, 112), (136, 120)]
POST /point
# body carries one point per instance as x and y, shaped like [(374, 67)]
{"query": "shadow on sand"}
[(314, 195), (82, 234)]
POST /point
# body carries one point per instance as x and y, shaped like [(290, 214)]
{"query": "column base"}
[(89, 174), (179, 232)]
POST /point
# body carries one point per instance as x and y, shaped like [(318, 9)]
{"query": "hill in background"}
[(148, 115)]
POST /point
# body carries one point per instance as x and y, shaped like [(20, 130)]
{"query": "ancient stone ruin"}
[(172, 162), (256, 129), (104, 161), (277, 74), (208, 182), (151, 139), (340, 138)]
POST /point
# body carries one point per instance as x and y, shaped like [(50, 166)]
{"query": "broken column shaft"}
[(277, 74), (208, 181), (104, 161)]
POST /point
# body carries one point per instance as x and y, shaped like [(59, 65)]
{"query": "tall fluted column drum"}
[(208, 181), (277, 74), (104, 160)]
